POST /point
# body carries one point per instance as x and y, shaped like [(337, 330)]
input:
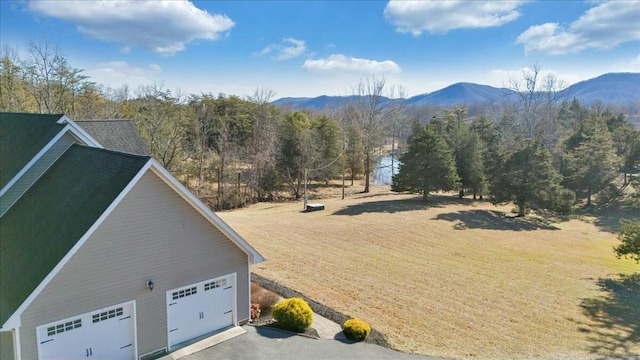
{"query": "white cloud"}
[(164, 27), (118, 73), (338, 63), (634, 66), (288, 49), (604, 26), (438, 17)]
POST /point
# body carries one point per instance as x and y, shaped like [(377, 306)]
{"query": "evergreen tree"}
[(591, 160), (428, 165), (470, 164), (630, 241), (328, 143), (527, 178)]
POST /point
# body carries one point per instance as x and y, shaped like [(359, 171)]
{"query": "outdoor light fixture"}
[(150, 285)]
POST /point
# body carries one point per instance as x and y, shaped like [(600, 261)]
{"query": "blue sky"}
[(312, 48)]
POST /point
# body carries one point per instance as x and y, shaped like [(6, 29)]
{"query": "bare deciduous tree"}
[(537, 99), (372, 113)]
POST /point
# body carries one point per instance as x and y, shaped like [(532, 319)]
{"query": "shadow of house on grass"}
[(400, 205), (494, 220), (615, 316)]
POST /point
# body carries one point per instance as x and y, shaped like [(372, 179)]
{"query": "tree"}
[(354, 152), (372, 114), (294, 153), (13, 94), (629, 241), (591, 160), (260, 144), (527, 178), (467, 148), (470, 163), (163, 123), (428, 165), (327, 141), (537, 96)]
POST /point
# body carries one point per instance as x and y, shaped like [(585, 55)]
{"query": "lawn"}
[(454, 278)]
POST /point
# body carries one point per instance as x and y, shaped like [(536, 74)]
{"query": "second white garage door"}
[(200, 308)]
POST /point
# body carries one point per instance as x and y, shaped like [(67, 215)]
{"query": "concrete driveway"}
[(268, 343)]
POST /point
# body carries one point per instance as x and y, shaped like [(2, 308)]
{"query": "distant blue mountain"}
[(617, 88), (613, 88), (460, 94), (323, 102)]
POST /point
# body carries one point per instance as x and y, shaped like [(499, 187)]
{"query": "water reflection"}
[(382, 172)]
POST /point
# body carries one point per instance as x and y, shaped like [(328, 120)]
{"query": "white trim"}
[(249, 289), (17, 352), (71, 127), (80, 132), (32, 161), (14, 320), (254, 256), (135, 329), (34, 181)]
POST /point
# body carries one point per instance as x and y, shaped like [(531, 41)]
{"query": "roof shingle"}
[(54, 214), (120, 135), (22, 136)]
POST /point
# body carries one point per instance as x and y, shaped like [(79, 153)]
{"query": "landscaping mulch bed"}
[(375, 337)]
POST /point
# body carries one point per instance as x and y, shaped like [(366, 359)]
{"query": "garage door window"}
[(184, 293), (215, 284), (106, 315), (62, 327)]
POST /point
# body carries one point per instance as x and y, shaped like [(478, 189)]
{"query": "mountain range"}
[(611, 88)]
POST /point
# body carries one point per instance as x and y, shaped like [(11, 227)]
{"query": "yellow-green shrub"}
[(355, 329), (293, 314)]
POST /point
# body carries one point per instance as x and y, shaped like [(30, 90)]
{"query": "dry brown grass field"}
[(454, 278)]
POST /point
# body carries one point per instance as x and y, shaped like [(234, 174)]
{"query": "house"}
[(104, 254)]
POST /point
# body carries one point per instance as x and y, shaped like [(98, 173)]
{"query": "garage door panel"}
[(200, 309), (102, 334), (56, 341)]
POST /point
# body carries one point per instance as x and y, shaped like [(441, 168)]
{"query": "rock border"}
[(375, 337)]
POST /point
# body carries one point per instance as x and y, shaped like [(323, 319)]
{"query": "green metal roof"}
[(52, 216), (21, 137)]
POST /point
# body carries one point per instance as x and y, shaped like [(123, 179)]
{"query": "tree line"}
[(591, 153), (535, 149)]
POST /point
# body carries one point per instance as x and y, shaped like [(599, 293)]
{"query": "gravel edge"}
[(375, 337)]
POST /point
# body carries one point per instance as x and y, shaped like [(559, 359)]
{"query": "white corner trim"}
[(16, 344), (14, 320), (254, 256)]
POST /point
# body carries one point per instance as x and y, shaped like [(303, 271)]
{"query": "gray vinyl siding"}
[(6, 346), (152, 234), (35, 171)]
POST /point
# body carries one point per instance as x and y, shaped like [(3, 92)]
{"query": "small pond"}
[(382, 173)]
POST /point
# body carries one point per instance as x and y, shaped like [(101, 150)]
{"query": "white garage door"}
[(102, 334), (200, 309)]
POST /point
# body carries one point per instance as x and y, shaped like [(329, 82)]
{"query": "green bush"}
[(355, 329), (293, 314)]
